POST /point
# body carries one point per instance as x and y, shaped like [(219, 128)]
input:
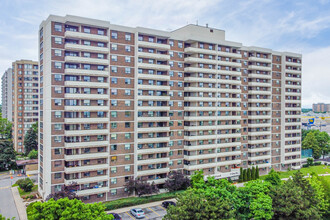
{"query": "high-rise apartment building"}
[(321, 107), (119, 103), (25, 99), (6, 95)]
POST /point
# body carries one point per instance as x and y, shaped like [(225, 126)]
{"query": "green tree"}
[(310, 142), (31, 139), (257, 172), (323, 201), (25, 184), (7, 155), (248, 174), (323, 140), (197, 178), (4, 218), (245, 178), (240, 179), (253, 173), (67, 209), (5, 129), (304, 134), (33, 154), (274, 178), (261, 207)]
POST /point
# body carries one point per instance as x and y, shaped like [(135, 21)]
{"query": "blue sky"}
[(298, 26)]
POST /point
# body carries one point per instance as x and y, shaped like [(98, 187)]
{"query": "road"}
[(152, 213), (7, 204)]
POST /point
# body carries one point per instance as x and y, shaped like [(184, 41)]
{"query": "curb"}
[(21, 210)]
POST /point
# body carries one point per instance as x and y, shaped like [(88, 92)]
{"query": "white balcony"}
[(293, 93), (199, 70), (80, 35), (293, 71), (86, 84), (94, 179), (228, 63), (259, 133), (261, 165), (260, 100), (153, 98), (259, 92), (153, 161), (259, 59), (228, 162), (262, 68), (86, 108), (292, 123), (152, 119), (80, 47), (292, 146), (293, 64), (154, 66), (228, 54), (262, 141), (86, 168), (157, 181), (153, 171), (92, 191), (292, 86), (154, 45), (86, 144), (296, 79), (293, 116), (193, 50), (268, 108), (296, 153), (256, 158), (87, 132), (259, 117), (86, 156), (76, 59), (153, 108), (153, 129), (200, 60), (259, 149), (292, 101), (155, 56), (292, 138), (288, 161), (211, 146), (153, 140), (86, 96), (154, 87), (153, 150), (86, 120), (87, 72), (200, 166), (260, 84), (259, 76), (154, 77), (199, 156)]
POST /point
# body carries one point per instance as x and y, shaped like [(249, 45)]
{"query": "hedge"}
[(132, 201)]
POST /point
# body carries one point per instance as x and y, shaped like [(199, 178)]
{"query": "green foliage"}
[(31, 139), (257, 172), (261, 207), (7, 155), (245, 178), (5, 129), (240, 179), (4, 218), (176, 181), (323, 201), (25, 184), (248, 174), (310, 162), (33, 154), (274, 178), (67, 209), (317, 141), (253, 173), (197, 178), (133, 201)]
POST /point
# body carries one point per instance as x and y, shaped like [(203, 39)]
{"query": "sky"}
[(284, 25)]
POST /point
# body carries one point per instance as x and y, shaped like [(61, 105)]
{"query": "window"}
[(58, 65), (58, 40), (128, 37), (114, 35), (57, 175), (127, 59), (114, 46), (127, 168), (87, 30), (113, 180), (57, 151), (58, 53), (100, 32), (128, 48), (58, 27)]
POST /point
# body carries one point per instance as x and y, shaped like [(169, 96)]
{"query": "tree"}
[(261, 207), (4, 218), (310, 161), (7, 155), (5, 129), (197, 178), (310, 142), (177, 181), (323, 201), (141, 187), (240, 175), (25, 184), (67, 191), (245, 177), (33, 154), (257, 172), (31, 140), (253, 173), (274, 178), (323, 140), (67, 209), (248, 174)]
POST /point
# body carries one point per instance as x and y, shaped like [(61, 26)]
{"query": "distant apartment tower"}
[(6, 95), (321, 107), (119, 103), (25, 99)]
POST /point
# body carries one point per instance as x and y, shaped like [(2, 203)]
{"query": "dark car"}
[(117, 217), (166, 204)]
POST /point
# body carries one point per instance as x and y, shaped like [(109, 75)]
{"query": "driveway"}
[(152, 213)]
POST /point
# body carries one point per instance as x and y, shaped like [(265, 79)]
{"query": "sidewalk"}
[(127, 209), (19, 204)]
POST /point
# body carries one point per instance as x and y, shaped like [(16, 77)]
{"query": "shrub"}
[(317, 163), (33, 154), (310, 161), (25, 184), (305, 165)]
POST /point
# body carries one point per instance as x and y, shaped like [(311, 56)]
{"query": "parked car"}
[(117, 217), (166, 204), (137, 213)]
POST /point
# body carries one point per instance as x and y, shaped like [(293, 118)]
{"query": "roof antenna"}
[(207, 25)]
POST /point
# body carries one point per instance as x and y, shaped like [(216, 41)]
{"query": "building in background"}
[(25, 99), (119, 103), (6, 98), (321, 107)]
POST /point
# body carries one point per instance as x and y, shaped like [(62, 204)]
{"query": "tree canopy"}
[(31, 139)]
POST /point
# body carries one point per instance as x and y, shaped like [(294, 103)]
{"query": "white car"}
[(137, 213)]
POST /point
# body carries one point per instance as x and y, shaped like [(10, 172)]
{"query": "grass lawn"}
[(317, 169), (23, 193), (131, 201)]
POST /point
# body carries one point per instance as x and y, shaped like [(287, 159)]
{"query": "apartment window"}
[(127, 81), (113, 169), (128, 48), (58, 114), (114, 136), (114, 80), (58, 102), (114, 114), (127, 168), (58, 53), (100, 32), (114, 35), (127, 59), (58, 27), (128, 37), (114, 58), (113, 180), (180, 44), (57, 175), (113, 192), (127, 157), (127, 103), (114, 69), (58, 139), (114, 46), (127, 70), (87, 30), (127, 146), (58, 65)]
